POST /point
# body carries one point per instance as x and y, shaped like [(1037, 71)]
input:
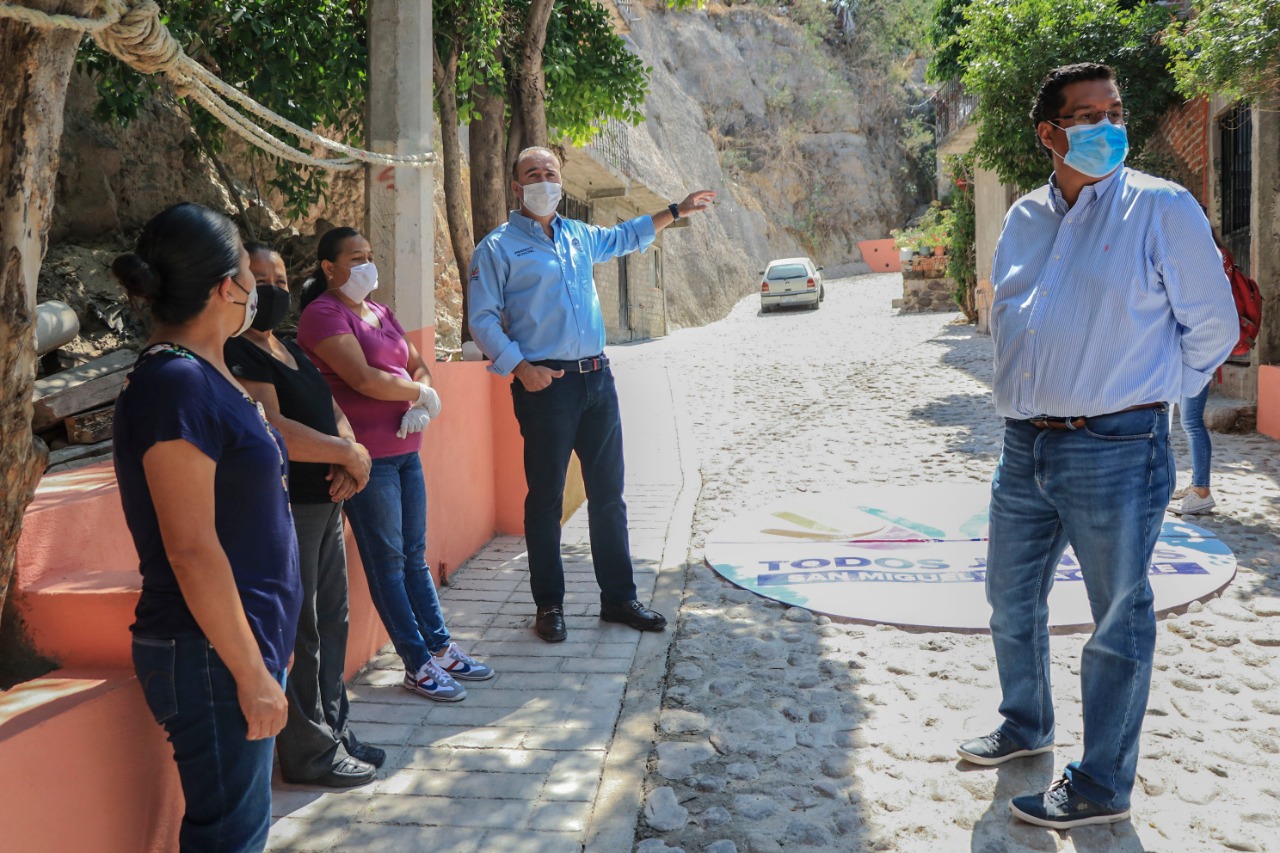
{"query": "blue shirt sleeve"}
[(608, 243), (484, 309), (1198, 291)]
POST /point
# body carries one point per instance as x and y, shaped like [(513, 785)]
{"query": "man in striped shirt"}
[(1110, 302)]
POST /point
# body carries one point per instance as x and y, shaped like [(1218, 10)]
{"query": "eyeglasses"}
[(1113, 116)]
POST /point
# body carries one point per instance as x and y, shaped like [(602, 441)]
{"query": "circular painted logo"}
[(917, 556)]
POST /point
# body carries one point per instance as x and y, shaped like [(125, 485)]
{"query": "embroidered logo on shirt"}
[(524, 252), (576, 244)]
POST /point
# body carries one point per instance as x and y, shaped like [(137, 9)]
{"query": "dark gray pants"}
[(316, 736)]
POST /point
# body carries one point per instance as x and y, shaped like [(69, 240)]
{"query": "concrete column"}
[(399, 211), (1264, 226)]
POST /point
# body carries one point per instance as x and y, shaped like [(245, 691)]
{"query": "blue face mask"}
[(1096, 150)]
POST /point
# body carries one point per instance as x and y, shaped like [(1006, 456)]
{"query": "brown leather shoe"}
[(550, 624), (635, 614)]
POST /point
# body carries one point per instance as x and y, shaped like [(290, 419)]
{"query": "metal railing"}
[(953, 106), (611, 146), (627, 9)]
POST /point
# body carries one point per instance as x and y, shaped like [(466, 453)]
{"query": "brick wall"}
[(1181, 146)]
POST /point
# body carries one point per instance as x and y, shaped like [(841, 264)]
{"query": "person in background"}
[(203, 483), (535, 313), (326, 466), (1197, 498), (382, 384)]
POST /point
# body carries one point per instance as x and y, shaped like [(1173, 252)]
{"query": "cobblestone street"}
[(782, 731), (751, 727)]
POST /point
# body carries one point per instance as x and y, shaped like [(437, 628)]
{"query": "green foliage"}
[(591, 76), (1009, 45), (948, 19), (305, 61), (1229, 47), (932, 231), (475, 29), (887, 31), (962, 258)]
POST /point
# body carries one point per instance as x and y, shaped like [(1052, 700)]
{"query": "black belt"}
[(582, 365), (1077, 423)]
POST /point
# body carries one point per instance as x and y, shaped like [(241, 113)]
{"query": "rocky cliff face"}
[(742, 100), (747, 102)]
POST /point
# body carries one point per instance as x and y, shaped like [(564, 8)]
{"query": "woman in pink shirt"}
[(382, 384)]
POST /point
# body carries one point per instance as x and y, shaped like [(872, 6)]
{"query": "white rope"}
[(131, 30)]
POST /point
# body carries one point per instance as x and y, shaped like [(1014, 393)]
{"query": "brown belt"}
[(1077, 423)]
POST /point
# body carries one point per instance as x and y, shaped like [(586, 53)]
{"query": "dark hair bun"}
[(136, 276)]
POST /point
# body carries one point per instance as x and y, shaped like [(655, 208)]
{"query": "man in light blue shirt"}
[(1110, 302), (534, 311)]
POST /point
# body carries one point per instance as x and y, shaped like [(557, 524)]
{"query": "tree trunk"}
[(515, 138), (530, 79), (33, 90), (455, 193), (489, 176)]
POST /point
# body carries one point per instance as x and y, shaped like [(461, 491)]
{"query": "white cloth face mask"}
[(541, 199), (250, 308), (362, 281)]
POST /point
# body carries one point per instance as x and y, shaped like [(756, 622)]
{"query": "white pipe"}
[(56, 325)]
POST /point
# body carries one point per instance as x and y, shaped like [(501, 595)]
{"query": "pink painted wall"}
[(1269, 400), (87, 768)]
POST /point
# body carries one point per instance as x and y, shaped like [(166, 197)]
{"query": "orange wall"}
[(881, 255), (1269, 400), (86, 767)]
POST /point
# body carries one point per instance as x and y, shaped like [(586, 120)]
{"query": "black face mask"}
[(273, 305)]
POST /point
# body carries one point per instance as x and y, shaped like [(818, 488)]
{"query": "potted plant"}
[(935, 228), (905, 241)]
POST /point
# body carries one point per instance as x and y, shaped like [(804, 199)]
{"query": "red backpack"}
[(1248, 303)]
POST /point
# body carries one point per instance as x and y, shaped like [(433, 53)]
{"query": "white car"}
[(791, 281)]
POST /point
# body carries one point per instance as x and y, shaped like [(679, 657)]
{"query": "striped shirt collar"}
[(1089, 193)]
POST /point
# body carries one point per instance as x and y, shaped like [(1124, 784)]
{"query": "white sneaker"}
[(462, 666), (434, 683), (1193, 504), (1180, 494)]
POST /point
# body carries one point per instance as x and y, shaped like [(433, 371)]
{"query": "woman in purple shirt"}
[(382, 384)]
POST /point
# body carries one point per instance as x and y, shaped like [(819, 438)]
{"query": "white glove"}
[(428, 399), (414, 420)]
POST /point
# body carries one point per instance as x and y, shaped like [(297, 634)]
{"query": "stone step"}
[(81, 618), (1230, 414)]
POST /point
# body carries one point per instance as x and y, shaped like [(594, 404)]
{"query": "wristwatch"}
[(675, 210)]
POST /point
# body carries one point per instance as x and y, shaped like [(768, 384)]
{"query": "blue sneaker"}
[(995, 748), (462, 666), (1061, 807)]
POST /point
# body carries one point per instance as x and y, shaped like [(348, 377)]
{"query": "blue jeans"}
[(1191, 411), (1102, 488), (226, 778), (577, 412), (389, 520)]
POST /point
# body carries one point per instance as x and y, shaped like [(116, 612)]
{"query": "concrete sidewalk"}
[(550, 755)]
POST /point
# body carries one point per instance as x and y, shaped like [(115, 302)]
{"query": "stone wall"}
[(922, 294)]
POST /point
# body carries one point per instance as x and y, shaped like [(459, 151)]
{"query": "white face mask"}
[(250, 308), (542, 198), (362, 281)]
